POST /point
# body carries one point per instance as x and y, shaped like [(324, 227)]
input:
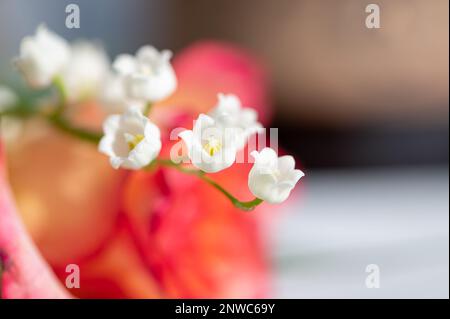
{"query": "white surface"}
[(343, 221)]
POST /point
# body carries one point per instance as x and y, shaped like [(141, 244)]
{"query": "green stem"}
[(59, 85), (17, 111), (58, 121), (64, 125), (247, 206)]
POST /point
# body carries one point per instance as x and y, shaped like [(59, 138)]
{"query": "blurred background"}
[(365, 111)]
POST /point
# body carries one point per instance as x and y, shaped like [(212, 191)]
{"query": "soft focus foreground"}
[(146, 234), (23, 272)]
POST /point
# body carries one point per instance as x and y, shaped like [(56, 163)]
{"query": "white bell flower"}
[(148, 76), (131, 140), (210, 148), (272, 178), (42, 57), (86, 71), (229, 113)]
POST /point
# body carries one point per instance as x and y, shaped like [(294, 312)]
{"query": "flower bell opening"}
[(212, 146), (147, 70), (133, 140)]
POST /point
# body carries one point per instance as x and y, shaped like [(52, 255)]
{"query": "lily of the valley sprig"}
[(126, 90)]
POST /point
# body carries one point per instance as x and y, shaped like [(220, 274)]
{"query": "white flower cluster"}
[(84, 68), (216, 138), (130, 139)]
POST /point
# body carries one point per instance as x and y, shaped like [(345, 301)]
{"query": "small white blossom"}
[(211, 148), (272, 178), (229, 113), (86, 71), (131, 140), (148, 76), (7, 98), (42, 57)]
